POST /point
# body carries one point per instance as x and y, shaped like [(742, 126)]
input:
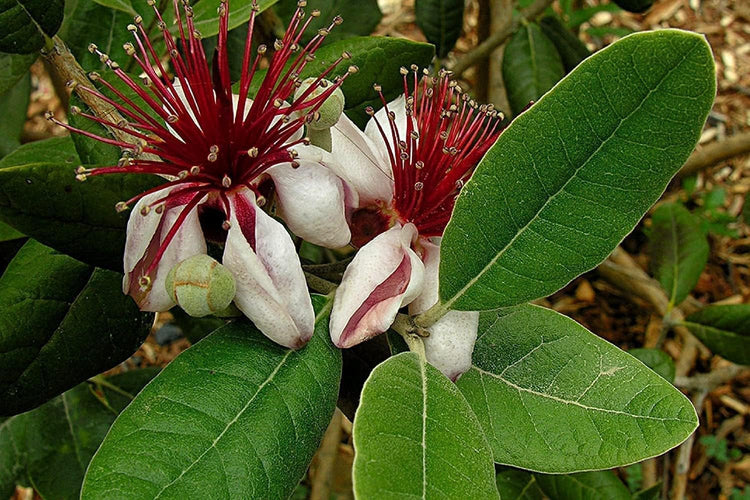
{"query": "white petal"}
[(384, 276), (361, 163), (145, 233), (451, 342), (398, 108), (271, 287), (312, 200)]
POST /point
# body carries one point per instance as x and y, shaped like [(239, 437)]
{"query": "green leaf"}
[(7, 233), (656, 359), (580, 16), (40, 197), (679, 250), (553, 397), (441, 21), (513, 484), (123, 5), (12, 68), (61, 322), (50, 447), (725, 330), (234, 416), (360, 17), (26, 24), (379, 60), (652, 493), (206, 17), (13, 106), (531, 66), (635, 5), (571, 49), (415, 436), (56, 149), (598, 485), (570, 177)]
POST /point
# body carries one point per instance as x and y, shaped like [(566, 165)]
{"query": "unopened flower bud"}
[(330, 112), (201, 286)]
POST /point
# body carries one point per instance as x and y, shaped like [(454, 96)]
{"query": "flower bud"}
[(201, 286), (330, 112)]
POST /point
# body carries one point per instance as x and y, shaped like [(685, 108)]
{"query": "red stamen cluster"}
[(447, 134), (199, 141)]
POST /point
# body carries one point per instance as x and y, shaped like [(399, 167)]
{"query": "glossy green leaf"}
[(123, 5), (50, 446), (553, 397), (571, 49), (725, 330), (441, 21), (378, 59), (12, 68), (234, 416), (514, 484), (26, 24), (531, 66), (597, 485), (360, 17), (40, 197), (61, 322), (570, 177), (656, 359), (13, 107), (679, 250), (415, 436), (206, 17)]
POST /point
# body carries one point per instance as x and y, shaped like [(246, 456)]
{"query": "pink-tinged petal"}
[(271, 287), (451, 342), (145, 234), (312, 199), (398, 108), (360, 162), (384, 276)]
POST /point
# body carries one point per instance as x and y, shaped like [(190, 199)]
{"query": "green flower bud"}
[(201, 286), (330, 112)]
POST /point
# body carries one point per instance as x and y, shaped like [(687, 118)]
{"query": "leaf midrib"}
[(448, 304)]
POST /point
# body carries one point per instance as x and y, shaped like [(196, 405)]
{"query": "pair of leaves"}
[(52, 309), (50, 447), (25, 25), (441, 21), (40, 197), (679, 250), (235, 416), (570, 177)]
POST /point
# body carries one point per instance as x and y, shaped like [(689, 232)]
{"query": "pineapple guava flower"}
[(224, 156), (408, 166)]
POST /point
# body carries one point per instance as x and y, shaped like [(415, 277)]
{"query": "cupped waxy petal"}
[(385, 275), (451, 342), (360, 162), (145, 234), (271, 287), (312, 199)]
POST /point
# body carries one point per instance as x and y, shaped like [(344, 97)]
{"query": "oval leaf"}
[(25, 24), (13, 107), (61, 322), (41, 198), (59, 438), (569, 178), (725, 330), (235, 416), (531, 66), (513, 484), (571, 49), (659, 361), (679, 250), (553, 397), (441, 21), (12, 68), (597, 485), (415, 436)]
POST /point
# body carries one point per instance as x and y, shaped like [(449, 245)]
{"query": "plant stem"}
[(431, 315), (484, 49), (319, 284), (709, 381), (406, 327)]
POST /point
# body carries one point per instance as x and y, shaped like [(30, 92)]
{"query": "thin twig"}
[(709, 381), (483, 50), (682, 466), (716, 152)]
